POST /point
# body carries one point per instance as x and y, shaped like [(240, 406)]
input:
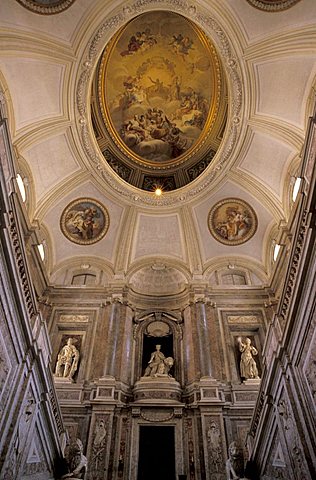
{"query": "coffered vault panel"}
[(258, 25), (59, 160), (264, 148), (158, 235), (283, 77), (62, 27), (43, 82)]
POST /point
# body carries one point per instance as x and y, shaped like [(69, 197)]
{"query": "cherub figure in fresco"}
[(141, 40), (134, 44), (181, 45)]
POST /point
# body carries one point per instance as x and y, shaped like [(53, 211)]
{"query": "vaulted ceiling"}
[(48, 66)]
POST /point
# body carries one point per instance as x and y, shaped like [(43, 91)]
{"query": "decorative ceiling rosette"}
[(46, 7), (232, 221), (84, 221), (273, 5)]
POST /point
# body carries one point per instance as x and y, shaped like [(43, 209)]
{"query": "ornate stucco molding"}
[(89, 60), (272, 6), (49, 7)]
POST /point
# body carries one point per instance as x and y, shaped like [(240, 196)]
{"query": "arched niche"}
[(158, 328)]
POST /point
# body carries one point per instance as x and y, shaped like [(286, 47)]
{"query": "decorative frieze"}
[(46, 7), (233, 319), (157, 416), (74, 318)]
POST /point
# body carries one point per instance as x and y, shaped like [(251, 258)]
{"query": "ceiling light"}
[(158, 192), (21, 187), (296, 188), (41, 250), (276, 251)]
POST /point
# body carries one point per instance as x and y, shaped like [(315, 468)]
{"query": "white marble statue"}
[(235, 463), (248, 366), (77, 462), (67, 360), (158, 364)]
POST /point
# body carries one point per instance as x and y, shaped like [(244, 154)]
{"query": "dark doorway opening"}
[(156, 459)]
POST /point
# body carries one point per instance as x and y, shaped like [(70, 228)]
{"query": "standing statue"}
[(67, 360), (77, 462), (248, 366), (158, 364)]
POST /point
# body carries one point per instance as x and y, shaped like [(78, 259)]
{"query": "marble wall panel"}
[(214, 447)]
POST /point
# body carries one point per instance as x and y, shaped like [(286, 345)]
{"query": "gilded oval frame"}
[(215, 81)]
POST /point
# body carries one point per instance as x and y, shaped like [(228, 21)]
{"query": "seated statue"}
[(158, 365), (67, 360), (77, 462), (235, 463)]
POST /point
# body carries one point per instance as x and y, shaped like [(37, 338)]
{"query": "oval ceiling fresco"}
[(159, 88)]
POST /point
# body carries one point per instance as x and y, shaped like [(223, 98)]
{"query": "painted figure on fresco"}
[(84, 221), (158, 364), (232, 221), (248, 366), (139, 41), (181, 44), (67, 360), (236, 224)]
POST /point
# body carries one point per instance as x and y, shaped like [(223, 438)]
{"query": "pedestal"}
[(157, 390)]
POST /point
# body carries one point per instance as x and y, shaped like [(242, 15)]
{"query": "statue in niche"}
[(235, 462), (77, 462), (67, 360), (248, 366), (158, 365)]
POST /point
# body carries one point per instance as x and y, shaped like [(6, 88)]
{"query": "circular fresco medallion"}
[(46, 7), (84, 221), (232, 221), (272, 5), (159, 88)]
